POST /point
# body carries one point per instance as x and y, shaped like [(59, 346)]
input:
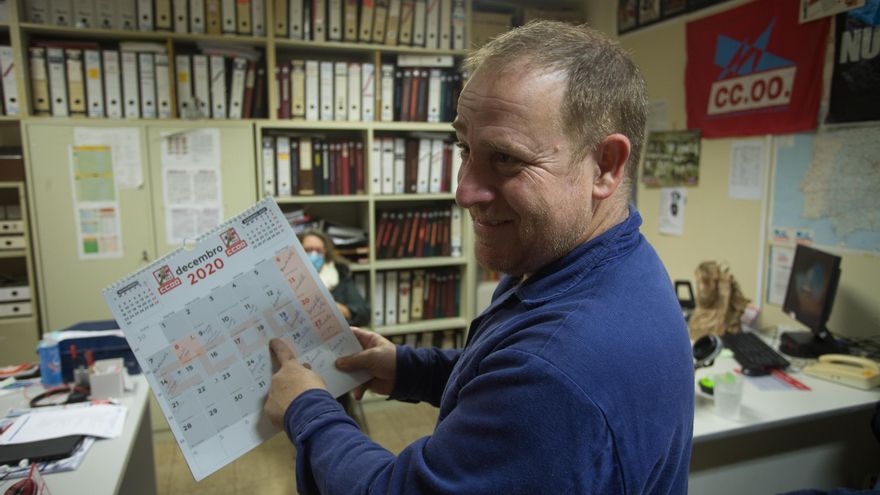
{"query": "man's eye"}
[(463, 148), (503, 158)]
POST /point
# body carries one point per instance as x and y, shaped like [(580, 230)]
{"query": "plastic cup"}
[(728, 391)]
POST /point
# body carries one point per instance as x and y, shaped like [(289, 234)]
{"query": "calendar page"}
[(199, 322)]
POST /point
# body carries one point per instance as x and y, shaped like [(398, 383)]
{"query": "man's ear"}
[(611, 155)]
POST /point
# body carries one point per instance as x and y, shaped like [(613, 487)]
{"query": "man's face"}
[(529, 203)]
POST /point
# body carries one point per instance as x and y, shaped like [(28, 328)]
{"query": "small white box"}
[(107, 379), (12, 242), (15, 309), (12, 227), (15, 293)]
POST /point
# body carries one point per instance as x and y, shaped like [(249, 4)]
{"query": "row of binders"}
[(426, 163), (346, 91), (433, 24), (242, 17), (442, 339), (404, 296), (136, 81), (304, 165), (420, 233), (8, 84)]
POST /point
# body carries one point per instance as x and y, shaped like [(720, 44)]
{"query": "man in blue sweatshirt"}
[(578, 378)]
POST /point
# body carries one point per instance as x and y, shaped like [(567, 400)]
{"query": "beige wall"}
[(717, 227)]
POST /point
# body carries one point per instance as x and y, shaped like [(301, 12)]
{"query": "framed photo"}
[(649, 11), (627, 15), (672, 8)]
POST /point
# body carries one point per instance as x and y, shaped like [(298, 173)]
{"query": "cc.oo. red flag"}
[(754, 70)]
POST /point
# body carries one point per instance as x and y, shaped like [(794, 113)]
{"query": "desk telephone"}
[(848, 370)]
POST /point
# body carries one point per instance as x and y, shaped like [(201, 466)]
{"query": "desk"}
[(122, 465), (784, 440)]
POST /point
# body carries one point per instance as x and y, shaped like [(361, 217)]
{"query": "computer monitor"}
[(808, 299)]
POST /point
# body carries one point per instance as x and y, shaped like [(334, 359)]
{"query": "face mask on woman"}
[(317, 259)]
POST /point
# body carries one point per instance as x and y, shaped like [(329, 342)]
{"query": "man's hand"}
[(290, 380), (379, 359)]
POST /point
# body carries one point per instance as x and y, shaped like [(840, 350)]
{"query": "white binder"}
[(459, 27), (421, 7), (366, 24), (455, 231), (404, 291), (94, 83), (436, 165), (197, 16), (434, 86), (326, 95), (445, 38), (391, 295), (145, 16), (399, 165), (131, 97), (112, 89), (334, 20), (354, 91), (37, 11), (405, 31), (163, 86), (392, 25), (61, 12), (268, 159), (423, 174), (432, 25), (236, 90), (106, 14), (340, 91), (84, 14), (184, 85), (39, 80), (258, 17), (201, 77), (163, 18), (312, 90), (454, 168), (282, 165), (126, 15), (368, 92), (227, 11), (181, 16), (218, 86), (387, 165), (10, 86), (387, 111), (147, 78), (295, 19), (376, 167), (379, 302), (298, 89), (76, 88), (57, 81)]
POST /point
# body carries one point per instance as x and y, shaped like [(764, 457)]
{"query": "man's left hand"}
[(290, 380)]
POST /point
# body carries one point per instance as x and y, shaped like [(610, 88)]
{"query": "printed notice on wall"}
[(199, 322), (125, 144), (781, 259), (747, 166), (191, 178), (672, 203), (95, 202)]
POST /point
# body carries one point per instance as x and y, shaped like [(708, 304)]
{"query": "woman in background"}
[(336, 275)]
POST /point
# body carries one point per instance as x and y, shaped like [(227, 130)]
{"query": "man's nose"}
[(474, 186)]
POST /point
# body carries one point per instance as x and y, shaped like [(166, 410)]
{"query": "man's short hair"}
[(605, 93)]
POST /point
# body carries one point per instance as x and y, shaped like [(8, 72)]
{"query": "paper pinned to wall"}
[(672, 203), (781, 259), (748, 159), (191, 179), (125, 144), (95, 202)]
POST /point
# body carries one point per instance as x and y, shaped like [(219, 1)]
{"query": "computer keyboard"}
[(753, 353)]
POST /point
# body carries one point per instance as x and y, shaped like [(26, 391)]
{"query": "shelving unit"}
[(18, 302), (46, 140)]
